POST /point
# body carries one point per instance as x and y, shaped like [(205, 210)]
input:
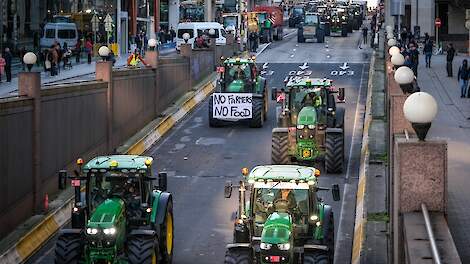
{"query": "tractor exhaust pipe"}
[(241, 197)]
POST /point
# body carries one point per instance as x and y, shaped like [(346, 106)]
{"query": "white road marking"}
[(340, 234)]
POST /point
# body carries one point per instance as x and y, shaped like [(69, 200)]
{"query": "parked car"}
[(195, 29)]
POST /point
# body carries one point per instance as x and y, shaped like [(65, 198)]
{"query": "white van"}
[(195, 29), (60, 33)]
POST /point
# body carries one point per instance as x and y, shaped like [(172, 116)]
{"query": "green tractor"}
[(284, 220), (339, 23), (119, 215), (240, 96), (310, 125), (311, 28)]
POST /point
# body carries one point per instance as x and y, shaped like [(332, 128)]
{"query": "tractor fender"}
[(238, 245), (334, 130), (339, 117), (163, 201), (280, 130), (70, 231), (142, 232)]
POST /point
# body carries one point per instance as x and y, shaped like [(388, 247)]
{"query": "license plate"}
[(275, 258), (75, 183)]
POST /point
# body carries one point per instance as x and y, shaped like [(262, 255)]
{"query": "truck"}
[(275, 15)]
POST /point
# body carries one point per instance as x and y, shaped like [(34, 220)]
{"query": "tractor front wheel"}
[(316, 257), (142, 250), (280, 148), (166, 236), (68, 249), (334, 152), (238, 256), (257, 117)]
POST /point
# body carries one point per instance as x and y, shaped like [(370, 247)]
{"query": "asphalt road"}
[(199, 159)]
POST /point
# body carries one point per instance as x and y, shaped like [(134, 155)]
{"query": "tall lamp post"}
[(420, 109), (404, 76)]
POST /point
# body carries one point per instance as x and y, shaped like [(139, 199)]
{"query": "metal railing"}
[(432, 240)]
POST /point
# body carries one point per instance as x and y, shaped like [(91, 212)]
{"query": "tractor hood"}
[(307, 116), (277, 229), (236, 86), (107, 213)]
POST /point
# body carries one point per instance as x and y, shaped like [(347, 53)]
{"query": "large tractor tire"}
[(334, 152), (68, 249), (142, 250), (257, 118), (344, 31), (238, 256), (316, 257), (280, 33), (350, 27), (213, 122), (329, 237), (280, 148), (356, 24), (327, 30), (320, 35), (300, 36), (167, 235)]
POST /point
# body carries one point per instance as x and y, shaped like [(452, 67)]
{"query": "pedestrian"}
[(134, 59), (253, 41), (364, 34), (268, 24), (172, 34), (21, 53), (462, 77), (450, 59), (426, 37), (59, 57), (89, 49), (403, 36), (138, 41), (8, 60), (427, 51), (55, 60), (78, 50), (414, 56), (408, 63), (111, 57), (2, 66)]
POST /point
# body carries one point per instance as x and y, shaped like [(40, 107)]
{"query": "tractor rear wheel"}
[(68, 249), (280, 148), (142, 250), (316, 257), (238, 256), (334, 152), (344, 31), (257, 117), (212, 121), (167, 234), (329, 238)]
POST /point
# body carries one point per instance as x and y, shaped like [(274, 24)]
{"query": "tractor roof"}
[(118, 162), (238, 61), (309, 82), (284, 173)]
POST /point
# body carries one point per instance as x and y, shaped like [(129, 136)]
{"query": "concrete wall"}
[(457, 20), (82, 119), (426, 15)]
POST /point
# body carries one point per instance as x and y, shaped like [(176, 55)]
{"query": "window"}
[(224, 34), (182, 31), (66, 34), (311, 20), (50, 33)]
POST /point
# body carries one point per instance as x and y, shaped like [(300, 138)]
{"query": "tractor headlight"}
[(92, 231), (109, 231), (300, 126), (265, 246), (285, 246), (311, 126)]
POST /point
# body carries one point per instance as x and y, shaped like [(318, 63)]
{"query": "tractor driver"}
[(285, 201), (312, 99)]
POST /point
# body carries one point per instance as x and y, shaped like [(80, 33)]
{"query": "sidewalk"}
[(453, 125), (10, 89)]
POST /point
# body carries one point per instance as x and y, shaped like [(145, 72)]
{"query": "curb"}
[(32, 241), (361, 215)]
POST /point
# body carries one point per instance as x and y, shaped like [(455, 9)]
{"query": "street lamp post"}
[(404, 76), (420, 109), (30, 59), (103, 52), (393, 50), (397, 60), (152, 43)]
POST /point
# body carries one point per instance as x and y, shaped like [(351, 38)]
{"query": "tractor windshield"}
[(279, 199), (311, 20), (298, 11), (237, 77), (115, 184), (305, 97)]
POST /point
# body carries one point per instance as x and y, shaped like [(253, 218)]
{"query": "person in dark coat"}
[(462, 77), (428, 52), (450, 59), (414, 56), (8, 60)]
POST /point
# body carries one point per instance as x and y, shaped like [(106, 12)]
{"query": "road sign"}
[(108, 23), (438, 22), (95, 22)]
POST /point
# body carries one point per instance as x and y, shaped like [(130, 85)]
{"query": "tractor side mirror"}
[(162, 181), (62, 179), (228, 189), (335, 192), (273, 94), (341, 95)]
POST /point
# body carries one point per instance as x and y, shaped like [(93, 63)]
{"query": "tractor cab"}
[(238, 75), (283, 215)]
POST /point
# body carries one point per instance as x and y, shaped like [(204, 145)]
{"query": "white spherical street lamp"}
[(30, 59), (420, 109), (392, 42), (103, 52), (152, 43), (186, 37), (404, 76), (393, 50), (397, 59)]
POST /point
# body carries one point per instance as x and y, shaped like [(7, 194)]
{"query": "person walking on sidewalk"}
[(2, 66), (89, 49), (414, 56), (450, 59), (428, 52), (462, 77), (8, 59), (78, 50), (364, 34)]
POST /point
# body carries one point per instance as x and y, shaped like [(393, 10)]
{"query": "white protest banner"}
[(232, 105)]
